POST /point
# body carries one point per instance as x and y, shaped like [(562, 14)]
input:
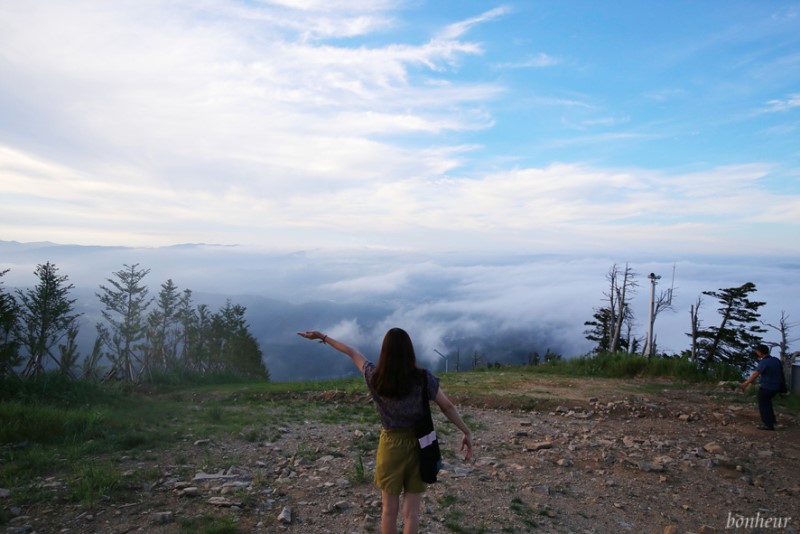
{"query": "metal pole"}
[(443, 357), (649, 346)]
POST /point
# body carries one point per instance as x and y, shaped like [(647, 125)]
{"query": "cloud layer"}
[(292, 125), (449, 303)]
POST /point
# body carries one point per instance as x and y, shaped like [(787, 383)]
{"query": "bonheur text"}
[(757, 521)]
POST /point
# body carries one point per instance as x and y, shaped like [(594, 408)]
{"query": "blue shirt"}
[(770, 371)]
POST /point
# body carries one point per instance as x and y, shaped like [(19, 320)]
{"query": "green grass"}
[(209, 525), (53, 426), (447, 500), (93, 482), (524, 511), (23, 422), (623, 365), (359, 471)]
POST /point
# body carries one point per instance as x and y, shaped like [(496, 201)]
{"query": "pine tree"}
[(600, 331), (123, 334), (163, 333), (46, 317), (9, 344), (732, 342), (232, 347)]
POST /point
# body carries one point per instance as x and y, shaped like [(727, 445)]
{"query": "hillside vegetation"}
[(82, 433)]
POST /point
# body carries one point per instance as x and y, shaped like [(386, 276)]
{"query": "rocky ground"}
[(594, 459)]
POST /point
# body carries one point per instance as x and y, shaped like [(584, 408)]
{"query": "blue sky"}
[(481, 127)]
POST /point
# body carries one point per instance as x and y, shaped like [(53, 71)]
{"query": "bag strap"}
[(426, 407)]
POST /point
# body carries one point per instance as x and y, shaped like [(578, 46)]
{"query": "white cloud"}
[(458, 29), (538, 61), (152, 123), (786, 104), (546, 208)]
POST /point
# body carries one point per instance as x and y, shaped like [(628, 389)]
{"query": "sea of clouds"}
[(451, 303)]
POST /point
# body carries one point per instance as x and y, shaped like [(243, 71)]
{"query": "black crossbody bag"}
[(430, 457)]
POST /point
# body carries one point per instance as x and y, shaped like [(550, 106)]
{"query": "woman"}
[(396, 387)]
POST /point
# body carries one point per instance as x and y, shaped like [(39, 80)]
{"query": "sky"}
[(441, 127), (472, 166)]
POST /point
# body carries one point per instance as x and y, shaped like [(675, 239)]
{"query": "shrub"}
[(624, 365), (49, 424), (55, 388)]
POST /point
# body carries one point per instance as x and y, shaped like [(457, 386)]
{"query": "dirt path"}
[(596, 457)]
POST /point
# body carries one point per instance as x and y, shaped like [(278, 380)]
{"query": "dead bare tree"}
[(783, 327), (657, 305), (477, 358), (695, 321), (620, 290)]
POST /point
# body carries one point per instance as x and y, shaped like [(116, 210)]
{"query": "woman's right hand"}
[(313, 334)]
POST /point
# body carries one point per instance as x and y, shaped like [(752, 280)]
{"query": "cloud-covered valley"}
[(499, 308)]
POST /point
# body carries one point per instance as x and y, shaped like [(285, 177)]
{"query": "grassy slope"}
[(79, 431)]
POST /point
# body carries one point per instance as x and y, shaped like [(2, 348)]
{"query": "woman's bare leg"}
[(411, 504), (391, 504)]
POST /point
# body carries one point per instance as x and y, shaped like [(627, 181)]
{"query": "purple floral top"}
[(402, 412)]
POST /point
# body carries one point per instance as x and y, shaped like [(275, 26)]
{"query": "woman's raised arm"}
[(358, 359)]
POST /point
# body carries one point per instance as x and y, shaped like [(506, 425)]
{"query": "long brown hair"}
[(397, 371)]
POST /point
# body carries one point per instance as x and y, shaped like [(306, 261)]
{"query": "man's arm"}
[(750, 379)]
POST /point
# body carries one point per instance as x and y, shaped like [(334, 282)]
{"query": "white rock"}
[(285, 516)]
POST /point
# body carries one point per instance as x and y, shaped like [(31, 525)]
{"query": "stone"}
[(285, 516), (713, 448), (162, 518), (191, 491), (200, 477), (540, 446), (4, 493)]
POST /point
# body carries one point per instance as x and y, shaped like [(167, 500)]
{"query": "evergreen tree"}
[(46, 317), (68, 352), (163, 332), (187, 319), (90, 367), (732, 342), (600, 331), (9, 344), (197, 335), (233, 347), (123, 334)]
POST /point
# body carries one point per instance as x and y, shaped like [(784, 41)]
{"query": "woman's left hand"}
[(466, 443)]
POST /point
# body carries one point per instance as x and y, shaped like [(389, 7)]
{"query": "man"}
[(770, 371)]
